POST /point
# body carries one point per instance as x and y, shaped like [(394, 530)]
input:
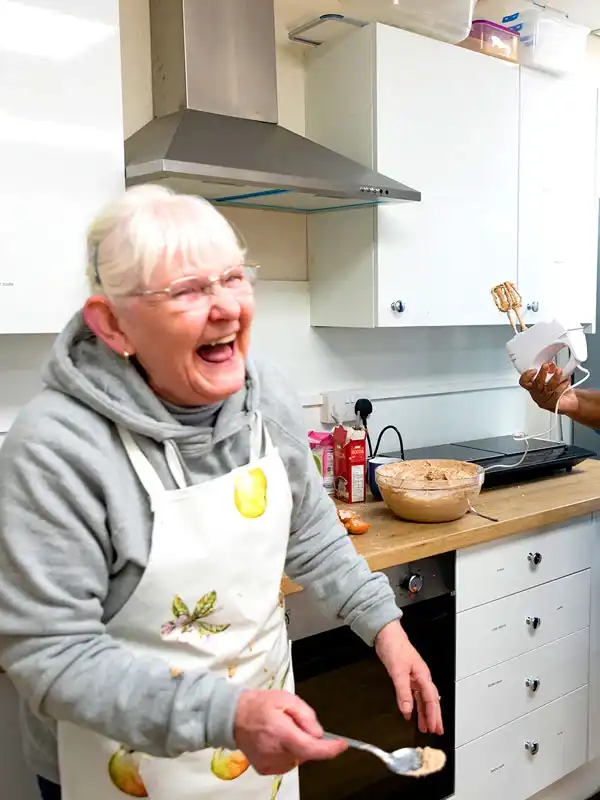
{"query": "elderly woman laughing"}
[(151, 497)]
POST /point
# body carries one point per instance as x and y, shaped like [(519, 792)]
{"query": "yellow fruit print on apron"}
[(124, 773), (228, 765), (250, 492)]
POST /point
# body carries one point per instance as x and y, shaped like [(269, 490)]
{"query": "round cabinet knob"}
[(535, 559), (533, 306), (398, 306), (412, 584), (533, 684), (532, 747), (534, 622)]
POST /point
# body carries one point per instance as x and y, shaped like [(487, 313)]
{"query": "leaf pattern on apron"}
[(185, 622), (276, 786), (281, 684)]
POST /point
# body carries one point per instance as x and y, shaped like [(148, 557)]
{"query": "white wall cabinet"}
[(505, 161), (558, 195), (61, 131), (426, 114)]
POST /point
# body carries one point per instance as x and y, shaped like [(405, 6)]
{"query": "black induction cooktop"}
[(543, 457)]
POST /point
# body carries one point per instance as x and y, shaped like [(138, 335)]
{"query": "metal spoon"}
[(479, 514), (403, 761)]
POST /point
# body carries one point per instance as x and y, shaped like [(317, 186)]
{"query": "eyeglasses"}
[(238, 280)]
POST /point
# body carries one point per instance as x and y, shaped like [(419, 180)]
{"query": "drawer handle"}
[(532, 747), (533, 684), (535, 559), (534, 622)]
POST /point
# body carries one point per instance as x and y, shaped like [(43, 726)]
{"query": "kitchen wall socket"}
[(339, 406)]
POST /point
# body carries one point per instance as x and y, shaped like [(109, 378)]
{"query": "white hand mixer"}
[(530, 348)]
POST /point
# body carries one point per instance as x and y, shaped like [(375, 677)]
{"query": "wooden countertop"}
[(520, 508)]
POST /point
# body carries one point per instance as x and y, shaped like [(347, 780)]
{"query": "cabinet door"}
[(558, 207), (501, 694), (499, 766), (489, 571), (507, 628), (61, 131), (447, 124)]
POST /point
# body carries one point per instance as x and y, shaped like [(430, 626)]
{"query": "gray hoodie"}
[(75, 530)]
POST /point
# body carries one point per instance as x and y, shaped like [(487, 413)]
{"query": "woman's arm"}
[(55, 557), (322, 558)]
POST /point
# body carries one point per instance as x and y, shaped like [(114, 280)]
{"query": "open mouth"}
[(219, 351)]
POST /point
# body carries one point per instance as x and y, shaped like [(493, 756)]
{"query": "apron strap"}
[(260, 441), (175, 465), (143, 468)]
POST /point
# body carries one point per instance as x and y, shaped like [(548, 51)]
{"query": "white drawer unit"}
[(520, 759), (490, 634), (487, 572), (503, 693)]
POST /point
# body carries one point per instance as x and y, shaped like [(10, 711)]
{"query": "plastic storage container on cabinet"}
[(549, 41), (448, 20), (493, 40)]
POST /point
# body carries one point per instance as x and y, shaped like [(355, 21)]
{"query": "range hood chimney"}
[(215, 131)]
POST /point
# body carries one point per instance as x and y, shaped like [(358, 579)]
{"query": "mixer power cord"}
[(556, 423)]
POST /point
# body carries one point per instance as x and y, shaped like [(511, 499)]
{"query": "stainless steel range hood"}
[(215, 131)]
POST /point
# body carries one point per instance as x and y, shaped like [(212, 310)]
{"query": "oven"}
[(343, 680)]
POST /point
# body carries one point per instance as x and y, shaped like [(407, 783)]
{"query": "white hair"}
[(151, 225)]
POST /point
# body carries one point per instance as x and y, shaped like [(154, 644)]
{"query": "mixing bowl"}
[(440, 490)]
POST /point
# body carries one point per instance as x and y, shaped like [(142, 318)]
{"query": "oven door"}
[(344, 681)]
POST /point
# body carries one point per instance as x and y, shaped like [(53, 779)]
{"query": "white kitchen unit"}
[(442, 119), (61, 131), (506, 163), (558, 196), (486, 573), (526, 672)]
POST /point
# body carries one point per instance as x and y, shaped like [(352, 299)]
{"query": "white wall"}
[(440, 385)]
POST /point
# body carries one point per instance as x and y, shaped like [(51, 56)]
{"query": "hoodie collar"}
[(84, 368)]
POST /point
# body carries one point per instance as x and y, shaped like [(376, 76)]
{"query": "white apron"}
[(208, 599)]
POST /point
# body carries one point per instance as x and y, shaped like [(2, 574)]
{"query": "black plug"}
[(363, 409)]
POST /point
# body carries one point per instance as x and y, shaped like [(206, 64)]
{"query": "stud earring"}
[(126, 355)]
